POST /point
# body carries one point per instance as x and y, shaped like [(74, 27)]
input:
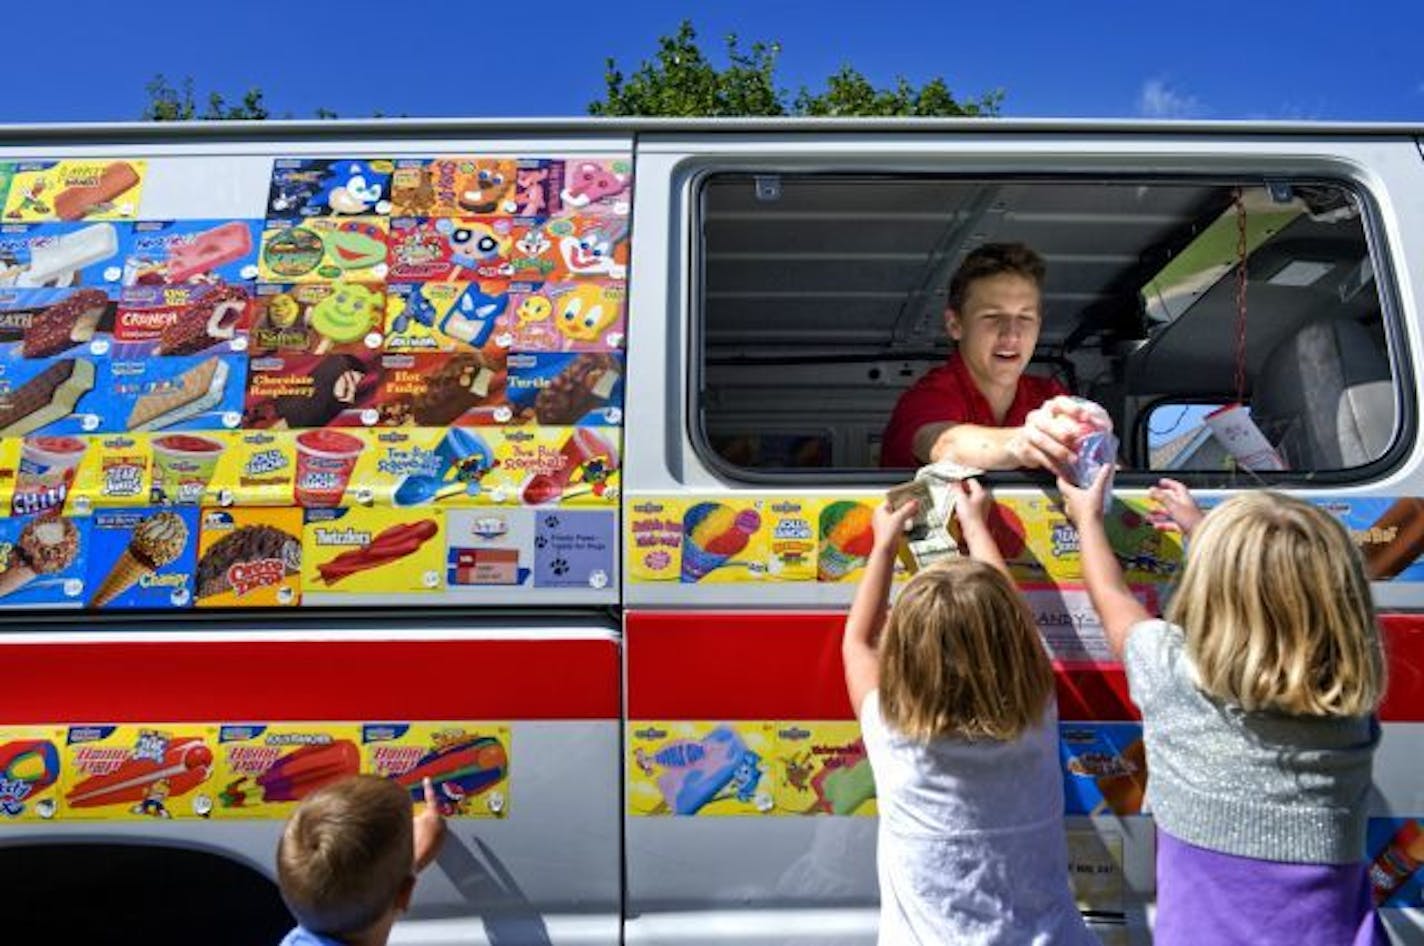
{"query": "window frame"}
[(1349, 178)]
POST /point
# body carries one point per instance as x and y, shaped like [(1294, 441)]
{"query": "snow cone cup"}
[(833, 564), (325, 459), (697, 562), (846, 540), (182, 466)]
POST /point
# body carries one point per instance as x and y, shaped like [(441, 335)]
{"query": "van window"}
[(823, 296)]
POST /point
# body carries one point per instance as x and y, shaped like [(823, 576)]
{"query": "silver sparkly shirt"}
[(1263, 785)]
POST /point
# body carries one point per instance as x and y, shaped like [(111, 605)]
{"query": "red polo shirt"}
[(948, 395)]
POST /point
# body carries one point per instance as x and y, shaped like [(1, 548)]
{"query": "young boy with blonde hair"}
[(348, 857)]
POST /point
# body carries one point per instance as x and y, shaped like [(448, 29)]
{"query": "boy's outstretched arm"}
[(429, 829), (867, 612), (972, 506), (1115, 604)]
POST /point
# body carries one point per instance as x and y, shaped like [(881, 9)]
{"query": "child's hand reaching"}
[(1177, 501), (889, 524), (1085, 505), (972, 502), (429, 829)]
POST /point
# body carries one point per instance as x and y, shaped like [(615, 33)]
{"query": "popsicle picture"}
[(467, 762), (299, 773), (461, 771), (189, 250), (690, 774), (142, 777), (713, 534), (846, 539), (350, 313), (27, 768)]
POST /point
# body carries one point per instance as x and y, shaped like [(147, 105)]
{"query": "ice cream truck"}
[(537, 457)]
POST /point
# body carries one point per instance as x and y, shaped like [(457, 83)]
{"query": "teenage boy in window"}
[(980, 409)]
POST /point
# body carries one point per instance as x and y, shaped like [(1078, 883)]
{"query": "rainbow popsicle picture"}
[(461, 772), (713, 534), (468, 763), (27, 768), (846, 539)]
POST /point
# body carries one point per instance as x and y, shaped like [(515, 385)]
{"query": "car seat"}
[(1325, 397)]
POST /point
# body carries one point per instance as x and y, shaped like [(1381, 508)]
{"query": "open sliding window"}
[(823, 298)]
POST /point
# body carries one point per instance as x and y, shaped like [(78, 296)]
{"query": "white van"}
[(538, 455)]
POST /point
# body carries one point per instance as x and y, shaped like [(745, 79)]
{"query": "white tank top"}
[(971, 848)]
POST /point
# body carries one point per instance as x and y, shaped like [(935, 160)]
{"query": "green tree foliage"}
[(167, 103), (680, 81)]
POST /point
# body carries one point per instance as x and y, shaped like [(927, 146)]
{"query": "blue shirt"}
[(300, 936)]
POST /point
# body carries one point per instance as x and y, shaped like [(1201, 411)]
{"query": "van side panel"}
[(748, 658)]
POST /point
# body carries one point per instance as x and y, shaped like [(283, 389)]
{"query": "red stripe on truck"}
[(310, 680), (768, 666)]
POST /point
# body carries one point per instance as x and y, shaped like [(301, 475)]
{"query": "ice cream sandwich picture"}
[(171, 401), (46, 397)]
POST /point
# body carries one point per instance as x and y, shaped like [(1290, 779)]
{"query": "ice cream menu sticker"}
[(237, 770), (188, 406), (73, 190)]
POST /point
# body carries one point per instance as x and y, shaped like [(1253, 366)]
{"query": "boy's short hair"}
[(345, 853), (960, 656), (994, 259)]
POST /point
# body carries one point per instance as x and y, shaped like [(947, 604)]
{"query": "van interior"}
[(822, 299)]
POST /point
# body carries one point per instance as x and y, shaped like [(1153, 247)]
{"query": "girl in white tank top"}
[(955, 699)]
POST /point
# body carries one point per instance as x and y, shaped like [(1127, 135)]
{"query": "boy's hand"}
[(1050, 434), (889, 524), (429, 829), (972, 502), (1085, 505), (1177, 501)]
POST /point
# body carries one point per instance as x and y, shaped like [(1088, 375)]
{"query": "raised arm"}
[(1117, 608), (860, 642)]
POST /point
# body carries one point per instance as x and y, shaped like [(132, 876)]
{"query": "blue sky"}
[(1212, 60)]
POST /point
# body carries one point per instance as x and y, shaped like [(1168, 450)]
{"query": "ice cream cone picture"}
[(714, 533), (846, 539), (46, 545), (157, 541)]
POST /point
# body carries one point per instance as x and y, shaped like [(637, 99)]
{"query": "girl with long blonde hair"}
[(954, 693), (1258, 696)]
